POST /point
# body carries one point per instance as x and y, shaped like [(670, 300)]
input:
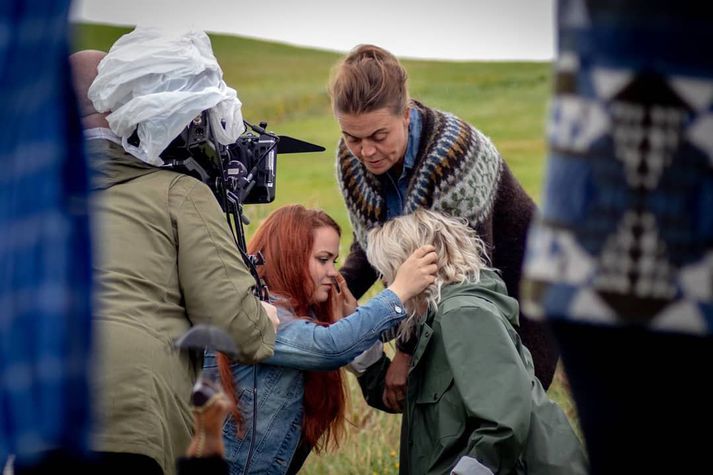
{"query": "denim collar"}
[(414, 138)]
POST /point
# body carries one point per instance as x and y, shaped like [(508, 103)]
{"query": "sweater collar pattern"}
[(457, 172)]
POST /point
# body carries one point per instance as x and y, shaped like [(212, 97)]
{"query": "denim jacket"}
[(301, 345)]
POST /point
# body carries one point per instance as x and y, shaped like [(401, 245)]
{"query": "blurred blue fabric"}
[(620, 259), (44, 238), (625, 232)]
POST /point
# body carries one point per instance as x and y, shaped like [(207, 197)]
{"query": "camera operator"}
[(166, 258)]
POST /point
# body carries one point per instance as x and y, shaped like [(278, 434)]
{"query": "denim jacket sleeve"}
[(304, 345)]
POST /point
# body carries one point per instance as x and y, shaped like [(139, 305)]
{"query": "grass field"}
[(286, 86)]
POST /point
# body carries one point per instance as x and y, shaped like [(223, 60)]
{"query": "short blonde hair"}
[(460, 253)]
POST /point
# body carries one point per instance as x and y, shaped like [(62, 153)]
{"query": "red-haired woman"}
[(298, 394)]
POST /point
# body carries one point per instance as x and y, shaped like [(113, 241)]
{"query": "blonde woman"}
[(473, 403)]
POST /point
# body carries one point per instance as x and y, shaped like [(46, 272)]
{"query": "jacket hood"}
[(490, 288), (110, 164)]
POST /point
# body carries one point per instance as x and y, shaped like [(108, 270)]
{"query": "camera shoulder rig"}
[(240, 173)]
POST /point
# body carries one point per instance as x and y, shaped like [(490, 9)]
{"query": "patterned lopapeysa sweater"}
[(459, 172)]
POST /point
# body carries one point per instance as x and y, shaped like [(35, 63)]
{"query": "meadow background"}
[(286, 87)]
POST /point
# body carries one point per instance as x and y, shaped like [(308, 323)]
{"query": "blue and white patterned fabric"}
[(44, 238), (625, 233)]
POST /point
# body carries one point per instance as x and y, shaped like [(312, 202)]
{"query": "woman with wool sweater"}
[(397, 155)]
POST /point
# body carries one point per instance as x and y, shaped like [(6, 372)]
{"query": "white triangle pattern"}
[(697, 94), (681, 316), (608, 82), (579, 123), (700, 133), (696, 280)]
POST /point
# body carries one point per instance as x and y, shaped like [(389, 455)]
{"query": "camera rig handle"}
[(233, 208)]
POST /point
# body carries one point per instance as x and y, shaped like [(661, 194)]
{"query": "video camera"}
[(241, 173), (247, 168)]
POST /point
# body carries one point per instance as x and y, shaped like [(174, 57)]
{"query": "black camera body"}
[(256, 154), (245, 169)]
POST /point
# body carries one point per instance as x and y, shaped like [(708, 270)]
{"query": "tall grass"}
[(286, 86)]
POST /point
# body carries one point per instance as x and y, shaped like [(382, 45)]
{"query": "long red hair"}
[(285, 240)]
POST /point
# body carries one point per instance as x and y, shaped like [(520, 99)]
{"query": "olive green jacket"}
[(165, 260), (472, 392)]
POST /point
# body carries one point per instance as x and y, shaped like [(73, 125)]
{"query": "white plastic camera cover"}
[(159, 82)]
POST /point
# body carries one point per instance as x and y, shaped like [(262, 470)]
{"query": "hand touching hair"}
[(459, 250)]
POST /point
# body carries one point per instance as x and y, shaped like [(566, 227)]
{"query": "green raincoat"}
[(472, 392)]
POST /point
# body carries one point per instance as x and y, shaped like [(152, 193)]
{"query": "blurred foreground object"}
[(205, 454), (210, 405), (621, 257), (44, 243), (207, 337)]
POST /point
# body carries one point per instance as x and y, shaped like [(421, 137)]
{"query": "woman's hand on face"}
[(416, 273), (344, 302)]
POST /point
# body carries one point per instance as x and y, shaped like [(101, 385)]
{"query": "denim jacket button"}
[(398, 309)]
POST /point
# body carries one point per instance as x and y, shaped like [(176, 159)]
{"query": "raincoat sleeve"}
[(493, 383), (216, 285)]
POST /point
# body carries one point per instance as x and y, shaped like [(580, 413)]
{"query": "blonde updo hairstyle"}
[(367, 79), (459, 250)]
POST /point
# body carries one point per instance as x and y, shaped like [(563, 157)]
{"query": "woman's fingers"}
[(341, 283), (416, 273), (424, 250)]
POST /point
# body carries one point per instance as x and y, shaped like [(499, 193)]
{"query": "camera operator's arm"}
[(215, 283)]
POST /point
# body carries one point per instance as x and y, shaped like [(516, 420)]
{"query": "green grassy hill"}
[(286, 86)]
